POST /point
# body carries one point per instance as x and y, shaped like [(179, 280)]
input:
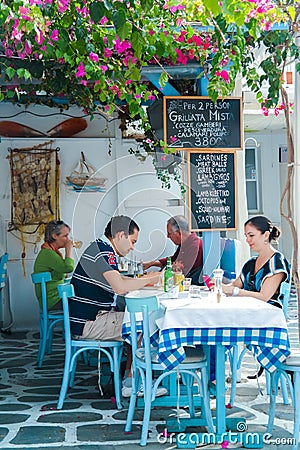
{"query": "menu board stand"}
[(212, 190)]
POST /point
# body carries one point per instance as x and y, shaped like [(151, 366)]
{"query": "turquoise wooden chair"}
[(48, 319), (290, 366), (145, 362), (236, 359), (3, 270), (74, 347)]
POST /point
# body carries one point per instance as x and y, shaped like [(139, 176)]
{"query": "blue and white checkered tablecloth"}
[(271, 346), (252, 322)]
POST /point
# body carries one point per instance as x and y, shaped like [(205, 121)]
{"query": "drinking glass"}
[(186, 284), (77, 243), (195, 291)]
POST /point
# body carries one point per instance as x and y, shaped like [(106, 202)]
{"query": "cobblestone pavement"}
[(28, 396)]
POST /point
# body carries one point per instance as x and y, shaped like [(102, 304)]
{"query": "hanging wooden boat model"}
[(85, 177)]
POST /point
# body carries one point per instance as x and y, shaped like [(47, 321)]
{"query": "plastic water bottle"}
[(168, 276)]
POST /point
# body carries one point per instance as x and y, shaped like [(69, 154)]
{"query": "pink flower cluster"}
[(223, 74)]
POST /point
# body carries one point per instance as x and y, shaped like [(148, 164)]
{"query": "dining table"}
[(223, 322)]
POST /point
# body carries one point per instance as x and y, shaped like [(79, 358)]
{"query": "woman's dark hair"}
[(264, 224), (120, 223), (54, 227)]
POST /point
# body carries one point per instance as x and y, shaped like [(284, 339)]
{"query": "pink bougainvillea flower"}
[(63, 5), (39, 38), (224, 444), (128, 82), (103, 20), (106, 107), (151, 97), (94, 57), (80, 70), (54, 35), (104, 68), (223, 74), (265, 111), (151, 32), (84, 82), (107, 53), (181, 58), (24, 13)]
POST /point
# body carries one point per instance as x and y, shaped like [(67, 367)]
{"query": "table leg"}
[(220, 390)]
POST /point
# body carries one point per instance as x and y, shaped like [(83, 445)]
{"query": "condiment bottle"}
[(218, 277)]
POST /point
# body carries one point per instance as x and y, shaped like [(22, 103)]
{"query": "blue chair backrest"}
[(228, 257), (137, 304), (3, 269), (42, 278), (285, 292), (65, 291)]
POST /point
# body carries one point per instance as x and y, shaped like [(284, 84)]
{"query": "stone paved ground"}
[(29, 419)]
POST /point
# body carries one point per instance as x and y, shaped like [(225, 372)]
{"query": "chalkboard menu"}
[(198, 122), (211, 189)]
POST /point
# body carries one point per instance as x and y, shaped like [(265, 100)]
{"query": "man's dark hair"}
[(120, 223)]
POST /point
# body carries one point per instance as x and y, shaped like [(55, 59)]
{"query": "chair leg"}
[(272, 407), (284, 391), (50, 337), (206, 400), (296, 409), (117, 381), (65, 380), (147, 408), (131, 408), (42, 346), (234, 369), (188, 381)]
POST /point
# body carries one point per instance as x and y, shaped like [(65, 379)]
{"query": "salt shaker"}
[(218, 277)]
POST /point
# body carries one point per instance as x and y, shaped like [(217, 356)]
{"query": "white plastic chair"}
[(75, 347), (145, 361)]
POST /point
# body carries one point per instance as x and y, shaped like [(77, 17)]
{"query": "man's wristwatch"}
[(235, 291)]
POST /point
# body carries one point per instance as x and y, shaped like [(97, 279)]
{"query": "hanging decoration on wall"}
[(65, 129), (85, 178), (34, 185), (34, 190)]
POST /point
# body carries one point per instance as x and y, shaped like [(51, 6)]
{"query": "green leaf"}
[(10, 72), (213, 6), (146, 4), (163, 79), (119, 18), (124, 31), (97, 11), (134, 108), (137, 42)]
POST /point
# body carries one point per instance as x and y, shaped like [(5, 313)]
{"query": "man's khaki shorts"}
[(106, 327)]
